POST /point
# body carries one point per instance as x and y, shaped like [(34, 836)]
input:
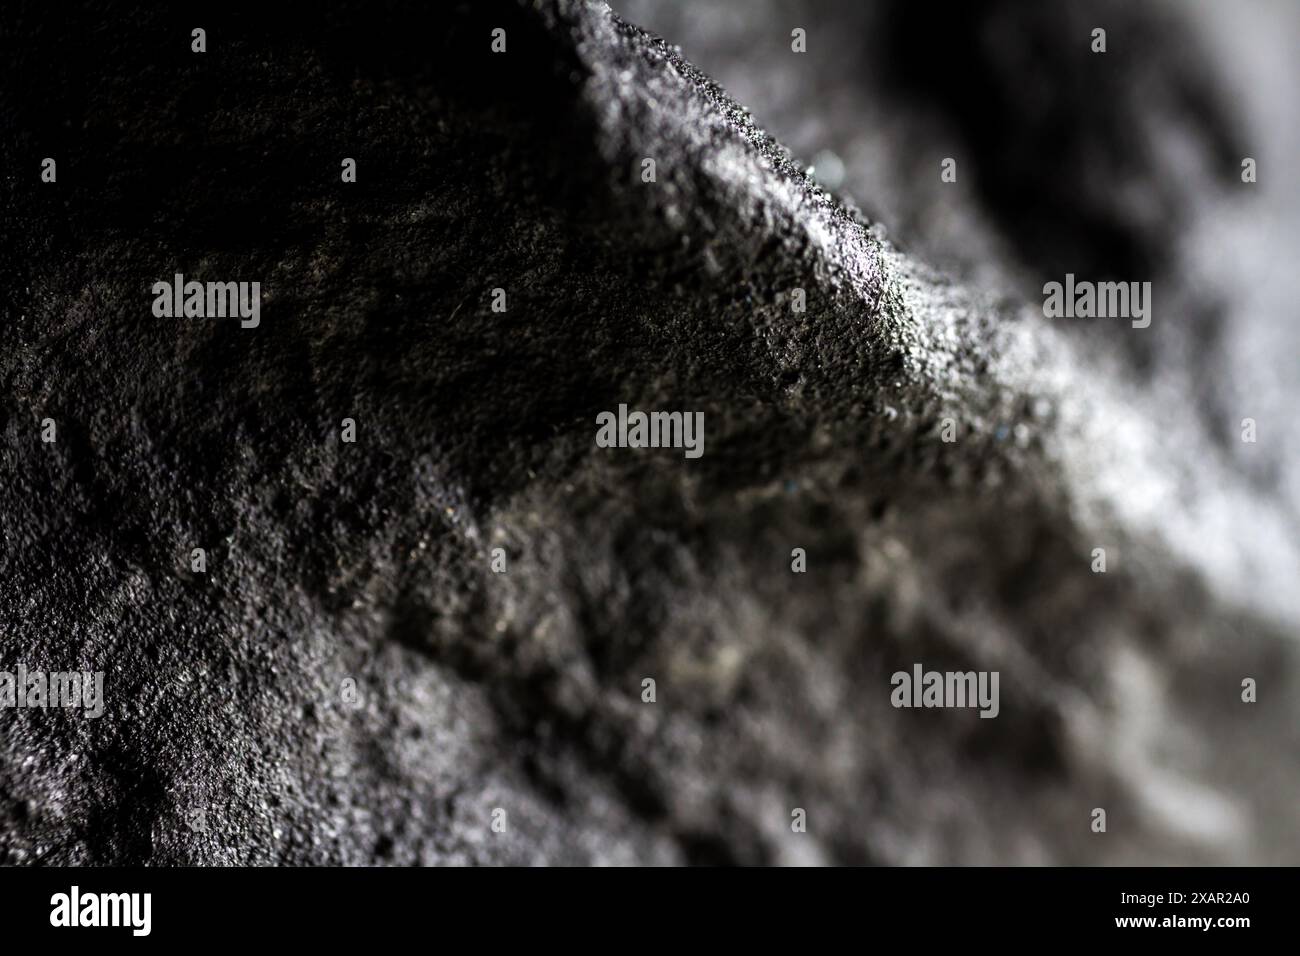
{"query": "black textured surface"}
[(475, 430)]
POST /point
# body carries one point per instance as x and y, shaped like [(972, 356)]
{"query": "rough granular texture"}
[(227, 736)]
